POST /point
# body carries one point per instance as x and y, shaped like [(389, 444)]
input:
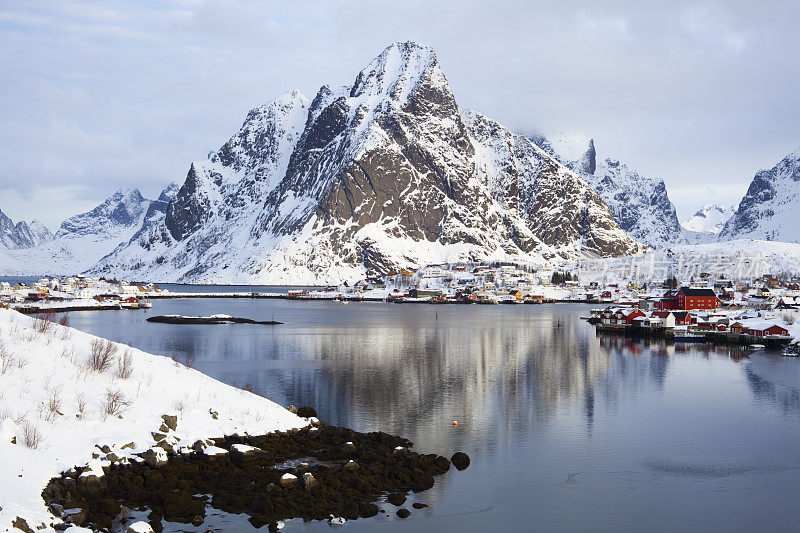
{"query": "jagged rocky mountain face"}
[(82, 240), (383, 174), (769, 209), (640, 205), (22, 234), (710, 218)]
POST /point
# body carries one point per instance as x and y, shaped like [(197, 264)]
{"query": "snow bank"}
[(52, 401)]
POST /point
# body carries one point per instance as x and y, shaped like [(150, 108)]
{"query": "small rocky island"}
[(213, 319)]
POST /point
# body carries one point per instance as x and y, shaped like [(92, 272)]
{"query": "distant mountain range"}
[(710, 218), (82, 240), (385, 173), (21, 234)]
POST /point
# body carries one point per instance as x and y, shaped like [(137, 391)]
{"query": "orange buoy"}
[(455, 423)]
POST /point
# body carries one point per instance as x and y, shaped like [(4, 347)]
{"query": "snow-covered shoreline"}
[(59, 410)]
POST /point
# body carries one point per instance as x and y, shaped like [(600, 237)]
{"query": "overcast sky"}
[(94, 96)]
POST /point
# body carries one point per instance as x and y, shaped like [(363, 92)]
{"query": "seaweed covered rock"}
[(397, 499), (310, 474), (306, 412)]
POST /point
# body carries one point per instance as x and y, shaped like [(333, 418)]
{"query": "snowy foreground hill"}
[(59, 410), (382, 174)]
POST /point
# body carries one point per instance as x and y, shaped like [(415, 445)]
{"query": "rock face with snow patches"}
[(640, 205), (22, 234), (769, 209), (383, 174)]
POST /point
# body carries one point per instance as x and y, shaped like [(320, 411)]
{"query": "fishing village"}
[(760, 311)]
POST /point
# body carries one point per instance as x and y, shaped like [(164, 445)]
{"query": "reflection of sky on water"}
[(596, 428)]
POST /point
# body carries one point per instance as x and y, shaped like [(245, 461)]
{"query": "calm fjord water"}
[(567, 431)]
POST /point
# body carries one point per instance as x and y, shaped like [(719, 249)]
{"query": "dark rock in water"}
[(306, 412), (216, 319), (403, 513), (156, 525), (367, 510), (418, 505), (197, 520), (460, 460), (397, 499)]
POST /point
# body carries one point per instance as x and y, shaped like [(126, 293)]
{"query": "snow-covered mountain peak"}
[(124, 208), (710, 218), (381, 175), (396, 72), (768, 210), (169, 192), (127, 194), (570, 146), (21, 234)]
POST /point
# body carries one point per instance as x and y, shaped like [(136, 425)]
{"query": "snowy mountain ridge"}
[(640, 205), (769, 209), (22, 234), (384, 174), (84, 239)]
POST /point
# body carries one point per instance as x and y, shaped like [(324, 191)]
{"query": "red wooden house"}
[(688, 299), (620, 316)]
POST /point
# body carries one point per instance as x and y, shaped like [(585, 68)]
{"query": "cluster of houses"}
[(465, 283), (692, 313), (77, 291)]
